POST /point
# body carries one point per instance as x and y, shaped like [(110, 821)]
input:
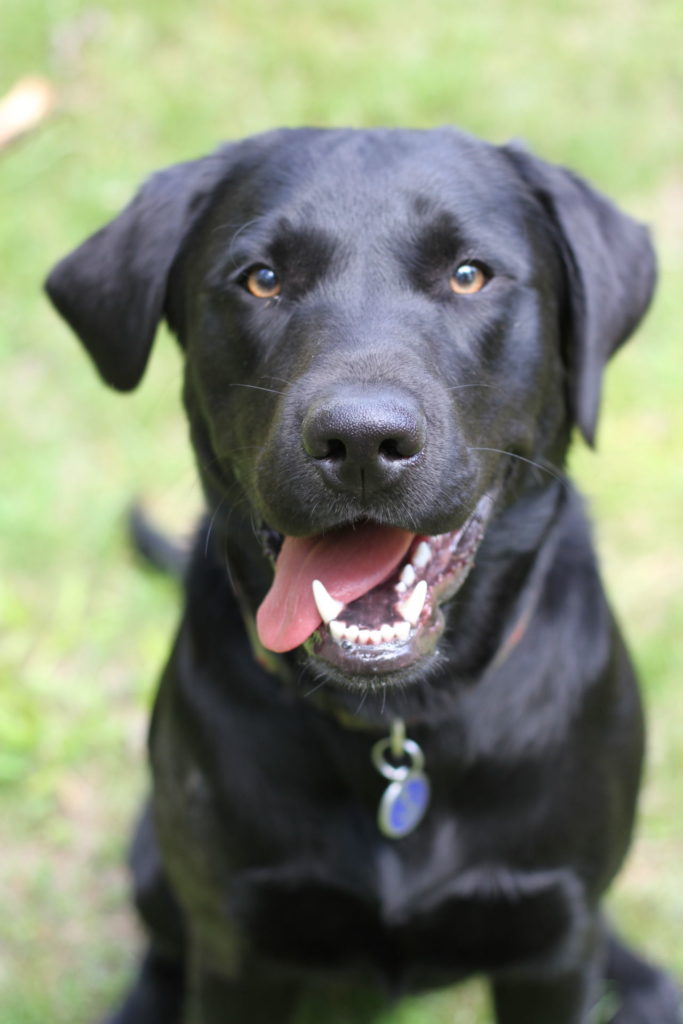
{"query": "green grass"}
[(82, 630)]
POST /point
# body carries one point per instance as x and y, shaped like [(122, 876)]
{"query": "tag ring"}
[(397, 773)]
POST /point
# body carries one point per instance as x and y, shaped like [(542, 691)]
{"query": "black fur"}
[(260, 871)]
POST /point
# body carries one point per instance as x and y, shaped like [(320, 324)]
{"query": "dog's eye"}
[(468, 278), (262, 282)]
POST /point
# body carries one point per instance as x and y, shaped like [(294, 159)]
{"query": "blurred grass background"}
[(82, 631)]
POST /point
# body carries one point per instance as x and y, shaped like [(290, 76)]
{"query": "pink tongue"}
[(350, 562)]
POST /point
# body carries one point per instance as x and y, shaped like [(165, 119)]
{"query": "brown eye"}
[(467, 279), (263, 283)]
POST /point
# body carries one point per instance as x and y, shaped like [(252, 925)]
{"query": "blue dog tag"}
[(403, 805), (405, 801)]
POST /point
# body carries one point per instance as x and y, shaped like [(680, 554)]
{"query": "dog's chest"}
[(299, 872), (412, 921)]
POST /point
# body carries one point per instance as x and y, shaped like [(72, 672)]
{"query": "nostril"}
[(391, 449), (321, 447), (404, 446), (336, 450)]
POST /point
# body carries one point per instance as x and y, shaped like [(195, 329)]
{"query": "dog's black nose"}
[(364, 438)]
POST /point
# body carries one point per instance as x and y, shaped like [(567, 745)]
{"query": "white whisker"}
[(556, 474)]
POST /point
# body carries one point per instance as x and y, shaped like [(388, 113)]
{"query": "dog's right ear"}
[(112, 289)]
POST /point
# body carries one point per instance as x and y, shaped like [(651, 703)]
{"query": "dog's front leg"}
[(251, 998), (559, 999)]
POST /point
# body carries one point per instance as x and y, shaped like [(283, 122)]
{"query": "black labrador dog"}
[(398, 740)]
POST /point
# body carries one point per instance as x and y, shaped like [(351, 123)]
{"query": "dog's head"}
[(388, 337)]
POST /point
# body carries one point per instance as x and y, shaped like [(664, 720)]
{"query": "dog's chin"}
[(391, 634), (362, 676)]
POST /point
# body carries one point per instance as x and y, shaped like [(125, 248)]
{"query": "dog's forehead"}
[(362, 179)]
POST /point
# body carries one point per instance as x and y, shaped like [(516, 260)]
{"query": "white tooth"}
[(352, 633), (337, 630), (411, 608), (375, 636), (422, 556), (408, 575), (387, 632), (400, 588), (363, 636), (328, 607), (402, 630)]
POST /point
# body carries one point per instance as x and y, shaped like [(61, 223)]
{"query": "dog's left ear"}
[(610, 267), (112, 289)]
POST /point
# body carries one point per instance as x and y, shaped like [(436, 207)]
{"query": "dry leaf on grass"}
[(28, 103)]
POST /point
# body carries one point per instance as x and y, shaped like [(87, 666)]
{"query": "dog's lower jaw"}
[(375, 665), (385, 679)]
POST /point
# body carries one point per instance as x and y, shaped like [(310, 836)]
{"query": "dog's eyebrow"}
[(287, 245), (439, 238), (292, 244)]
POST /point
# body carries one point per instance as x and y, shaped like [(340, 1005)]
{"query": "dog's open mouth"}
[(365, 597)]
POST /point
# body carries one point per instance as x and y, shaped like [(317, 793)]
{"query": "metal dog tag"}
[(405, 801)]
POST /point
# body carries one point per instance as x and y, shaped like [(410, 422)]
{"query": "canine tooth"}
[(387, 632), (375, 636), (411, 608), (400, 587), (422, 556), (352, 633), (328, 607), (402, 630), (337, 630), (363, 636), (408, 575)]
